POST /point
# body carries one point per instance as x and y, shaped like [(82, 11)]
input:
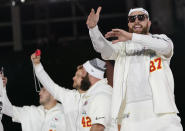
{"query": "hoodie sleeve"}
[(1, 93), (108, 50), (100, 114), (6, 104), (22, 113), (61, 94), (161, 44)]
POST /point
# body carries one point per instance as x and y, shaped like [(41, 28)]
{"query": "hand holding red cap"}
[(37, 52)]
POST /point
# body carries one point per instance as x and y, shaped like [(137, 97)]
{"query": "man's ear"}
[(128, 24), (149, 23)]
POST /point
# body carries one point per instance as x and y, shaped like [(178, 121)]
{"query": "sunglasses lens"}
[(131, 19), (141, 17)]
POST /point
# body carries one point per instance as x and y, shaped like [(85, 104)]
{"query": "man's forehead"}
[(84, 71), (43, 89), (81, 71), (137, 13)]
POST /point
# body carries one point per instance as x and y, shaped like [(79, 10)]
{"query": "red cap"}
[(37, 52)]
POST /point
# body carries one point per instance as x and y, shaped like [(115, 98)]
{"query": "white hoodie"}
[(81, 110), (161, 81), (1, 104), (35, 118)]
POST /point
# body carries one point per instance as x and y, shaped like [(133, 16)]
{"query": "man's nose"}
[(137, 21)]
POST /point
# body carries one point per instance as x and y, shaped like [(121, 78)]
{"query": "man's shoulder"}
[(27, 109), (59, 107), (104, 87), (160, 36), (103, 91), (73, 91), (100, 89), (36, 108), (101, 98)]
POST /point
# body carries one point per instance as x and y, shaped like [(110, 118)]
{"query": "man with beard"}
[(49, 116), (88, 107), (143, 88)]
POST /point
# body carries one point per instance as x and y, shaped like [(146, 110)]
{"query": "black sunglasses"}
[(141, 17)]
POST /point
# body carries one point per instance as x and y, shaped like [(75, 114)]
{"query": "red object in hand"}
[(37, 52)]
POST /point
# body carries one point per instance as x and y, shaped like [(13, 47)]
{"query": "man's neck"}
[(81, 92), (94, 80), (50, 105)]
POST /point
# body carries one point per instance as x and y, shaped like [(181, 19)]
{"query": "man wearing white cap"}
[(88, 107), (143, 87)]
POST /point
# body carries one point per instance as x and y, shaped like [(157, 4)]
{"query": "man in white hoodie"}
[(1, 104), (143, 87), (87, 108), (48, 116)]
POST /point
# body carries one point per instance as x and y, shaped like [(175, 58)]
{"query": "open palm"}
[(93, 18), (121, 35)]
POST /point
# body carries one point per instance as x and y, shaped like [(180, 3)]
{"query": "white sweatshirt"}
[(81, 110), (156, 59), (1, 104), (95, 106), (35, 118)]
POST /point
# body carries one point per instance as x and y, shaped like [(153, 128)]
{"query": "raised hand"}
[(93, 18), (35, 59), (4, 79), (121, 35)]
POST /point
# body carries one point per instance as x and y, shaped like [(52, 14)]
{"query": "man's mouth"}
[(137, 27)]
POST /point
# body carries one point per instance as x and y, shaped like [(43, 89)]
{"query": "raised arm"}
[(7, 108), (100, 44), (16, 113), (59, 93), (161, 44)]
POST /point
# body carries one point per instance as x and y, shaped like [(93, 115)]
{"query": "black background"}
[(60, 59)]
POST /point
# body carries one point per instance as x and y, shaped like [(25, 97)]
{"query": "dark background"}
[(58, 28)]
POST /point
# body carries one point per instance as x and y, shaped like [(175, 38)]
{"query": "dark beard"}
[(144, 31), (85, 83)]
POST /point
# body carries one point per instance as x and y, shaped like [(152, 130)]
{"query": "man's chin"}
[(135, 31), (138, 31), (75, 87), (40, 102)]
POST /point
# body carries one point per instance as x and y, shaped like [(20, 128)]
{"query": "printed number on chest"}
[(86, 121), (155, 64)]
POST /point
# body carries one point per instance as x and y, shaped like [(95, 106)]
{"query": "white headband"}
[(138, 9), (93, 71)]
